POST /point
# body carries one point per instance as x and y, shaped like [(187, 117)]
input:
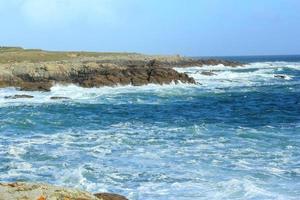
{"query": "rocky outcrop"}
[(40, 70), (165, 61), (42, 76), (188, 62), (30, 191)]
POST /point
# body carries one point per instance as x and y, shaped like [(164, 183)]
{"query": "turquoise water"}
[(236, 135)]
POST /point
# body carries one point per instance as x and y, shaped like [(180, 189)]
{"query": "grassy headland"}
[(35, 69)]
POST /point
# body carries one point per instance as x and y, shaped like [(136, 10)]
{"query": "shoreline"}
[(37, 70), (89, 139)]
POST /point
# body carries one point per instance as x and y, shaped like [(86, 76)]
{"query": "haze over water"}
[(235, 135)]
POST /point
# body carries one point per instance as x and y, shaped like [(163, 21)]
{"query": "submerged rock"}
[(279, 76), (19, 96), (282, 76), (59, 98), (31, 191), (208, 73)]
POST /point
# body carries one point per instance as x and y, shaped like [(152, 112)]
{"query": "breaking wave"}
[(234, 135)]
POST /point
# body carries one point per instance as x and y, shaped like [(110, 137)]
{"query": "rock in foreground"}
[(30, 191), (108, 196)]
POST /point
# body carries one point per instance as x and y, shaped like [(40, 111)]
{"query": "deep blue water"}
[(234, 136)]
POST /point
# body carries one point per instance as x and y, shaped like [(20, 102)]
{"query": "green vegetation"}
[(18, 54), (7, 49)]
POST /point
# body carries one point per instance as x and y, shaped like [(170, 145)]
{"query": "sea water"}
[(234, 135)]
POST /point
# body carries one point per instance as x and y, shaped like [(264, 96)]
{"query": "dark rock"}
[(208, 73), (280, 76), (108, 196), (200, 62), (59, 98), (135, 75), (19, 96), (152, 63)]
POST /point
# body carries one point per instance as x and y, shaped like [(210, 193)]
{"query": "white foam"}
[(254, 74), (78, 94), (232, 188), (16, 151)]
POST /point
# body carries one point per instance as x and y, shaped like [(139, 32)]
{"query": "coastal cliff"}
[(40, 70)]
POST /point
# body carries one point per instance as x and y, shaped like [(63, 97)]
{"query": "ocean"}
[(234, 135)]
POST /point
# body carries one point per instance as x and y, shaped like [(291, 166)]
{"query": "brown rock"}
[(32, 191), (108, 196), (35, 86), (95, 71), (208, 73)]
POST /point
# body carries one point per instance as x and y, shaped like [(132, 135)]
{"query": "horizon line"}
[(162, 54)]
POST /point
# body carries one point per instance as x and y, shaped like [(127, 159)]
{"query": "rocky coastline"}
[(37, 70), (40, 70)]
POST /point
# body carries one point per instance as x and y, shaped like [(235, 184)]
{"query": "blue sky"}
[(190, 27)]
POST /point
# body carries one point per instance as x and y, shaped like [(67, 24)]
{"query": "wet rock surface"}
[(108, 196), (208, 73), (282, 76), (59, 98), (19, 96)]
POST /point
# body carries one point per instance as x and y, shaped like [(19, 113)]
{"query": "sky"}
[(186, 27)]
